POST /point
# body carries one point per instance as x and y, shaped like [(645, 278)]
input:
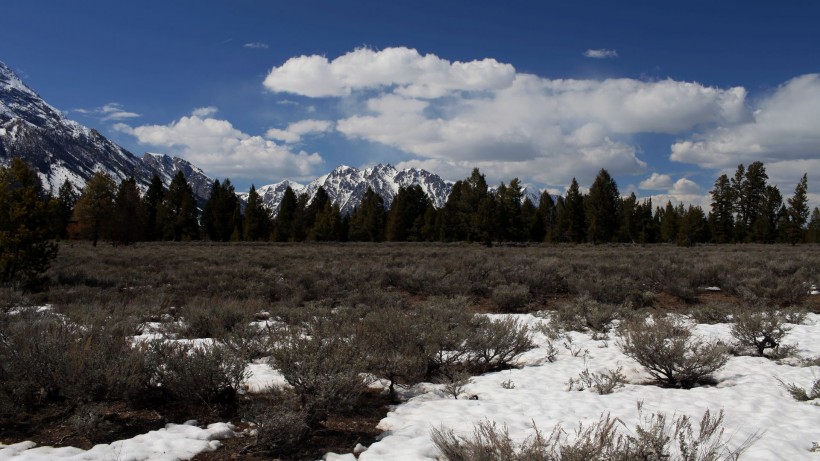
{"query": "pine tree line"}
[(744, 208)]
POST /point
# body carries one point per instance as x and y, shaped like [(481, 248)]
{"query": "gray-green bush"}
[(670, 353)]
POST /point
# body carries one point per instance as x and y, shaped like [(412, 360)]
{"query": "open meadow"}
[(414, 351)]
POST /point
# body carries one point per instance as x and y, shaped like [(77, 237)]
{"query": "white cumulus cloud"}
[(412, 73), (601, 53), (203, 112), (656, 182), (452, 116), (295, 131), (220, 149), (784, 126)]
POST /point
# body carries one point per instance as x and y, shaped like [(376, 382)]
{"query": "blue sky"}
[(664, 95)]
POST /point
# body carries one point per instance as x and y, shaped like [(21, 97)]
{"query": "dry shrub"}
[(712, 313), (495, 343), (759, 329), (510, 298), (670, 353), (207, 373), (656, 437), (281, 426), (44, 358), (800, 394), (585, 313), (601, 383), (209, 318), (320, 362), (393, 341)]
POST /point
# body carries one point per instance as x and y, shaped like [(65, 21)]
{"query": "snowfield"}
[(748, 390), (175, 442)]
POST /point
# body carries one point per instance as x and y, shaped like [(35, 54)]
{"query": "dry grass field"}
[(367, 291)]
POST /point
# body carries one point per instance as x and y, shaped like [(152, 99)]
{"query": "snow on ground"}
[(536, 395), (747, 390), (175, 442)]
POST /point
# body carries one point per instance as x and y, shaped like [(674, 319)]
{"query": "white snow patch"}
[(174, 442), (262, 377), (748, 391)]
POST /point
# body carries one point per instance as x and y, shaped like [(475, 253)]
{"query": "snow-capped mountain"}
[(346, 186), (60, 149)]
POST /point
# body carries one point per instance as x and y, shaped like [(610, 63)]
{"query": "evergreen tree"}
[(560, 231), (221, 215), (431, 226), (177, 215), (284, 221), (509, 221), (468, 213), (128, 213), (668, 223), (770, 217), (813, 234), (67, 197), (25, 246), (693, 226), (316, 206), (575, 214), (258, 224), (367, 220), (630, 220), (721, 218), (749, 192), (648, 228), (405, 220), (94, 212), (328, 224), (602, 209), (534, 229), (797, 214), (546, 214), (299, 229), (150, 204)]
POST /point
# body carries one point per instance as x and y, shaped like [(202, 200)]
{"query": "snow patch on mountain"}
[(346, 186)]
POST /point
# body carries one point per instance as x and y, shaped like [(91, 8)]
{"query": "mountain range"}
[(60, 148)]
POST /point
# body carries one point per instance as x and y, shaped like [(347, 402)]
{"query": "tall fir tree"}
[(546, 214), (693, 226), (283, 223), (128, 213), (629, 220), (367, 220), (770, 216), (602, 209), (575, 213), (258, 223), (721, 218), (749, 192), (67, 197), (798, 213), (327, 226), (177, 215), (405, 219), (94, 212), (509, 221), (221, 215), (813, 231), (26, 249), (314, 207), (668, 223), (150, 203)]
